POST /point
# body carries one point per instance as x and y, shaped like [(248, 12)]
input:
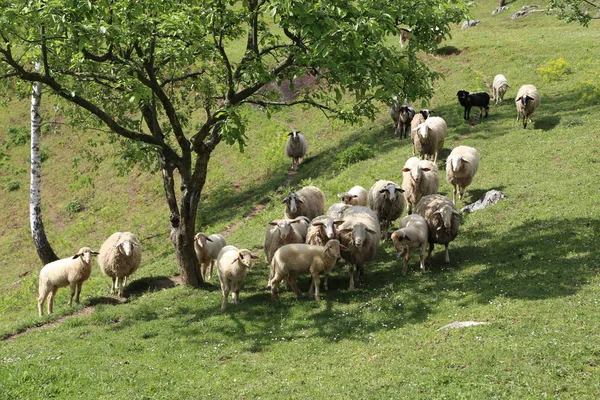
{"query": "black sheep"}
[(477, 99)]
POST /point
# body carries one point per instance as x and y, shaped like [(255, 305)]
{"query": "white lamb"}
[(413, 232), (120, 256), (461, 166), (429, 137), (207, 249), (419, 178), (356, 196), (281, 232), (308, 201), (295, 148), (71, 271), (232, 268), (386, 199), (527, 100), (499, 88)]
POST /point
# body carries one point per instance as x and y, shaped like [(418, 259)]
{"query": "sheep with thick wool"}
[(337, 210), (321, 230), (386, 199), (232, 268), (308, 201), (120, 256), (417, 120), (461, 166), (207, 249), (419, 178), (356, 196), (281, 232), (413, 232), (429, 137), (71, 271), (443, 220), (499, 88), (292, 259), (527, 100), (295, 148)]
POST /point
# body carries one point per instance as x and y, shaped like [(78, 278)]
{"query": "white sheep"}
[(292, 259), (296, 147), (429, 137), (337, 210), (527, 100), (419, 178), (442, 220), (207, 249), (71, 271), (321, 230), (461, 166), (120, 256), (308, 201), (356, 196), (360, 233), (499, 88), (281, 232), (232, 268), (386, 199), (413, 232)]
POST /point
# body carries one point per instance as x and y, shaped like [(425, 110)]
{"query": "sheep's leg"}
[(430, 250), (73, 287), (351, 270), (422, 257), (275, 285), (447, 256), (454, 194), (78, 293), (41, 300), (235, 295), (406, 252), (203, 268), (316, 281), (294, 285), (461, 192), (210, 266), (51, 300), (225, 290), (325, 282), (113, 286)]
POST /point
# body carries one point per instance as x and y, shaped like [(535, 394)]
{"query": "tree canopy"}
[(581, 11)]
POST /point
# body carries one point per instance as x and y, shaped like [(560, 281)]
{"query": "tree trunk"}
[(38, 233)]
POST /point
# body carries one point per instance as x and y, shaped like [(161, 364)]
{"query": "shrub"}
[(555, 69), (11, 186), (17, 135), (352, 155), (73, 207)]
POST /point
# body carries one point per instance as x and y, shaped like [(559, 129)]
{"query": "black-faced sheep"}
[(419, 178), (402, 115), (71, 271), (387, 201), (499, 88), (308, 201), (296, 147), (356, 196), (413, 232), (474, 99), (527, 100), (119, 257), (429, 137), (442, 220), (232, 267), (207, 249), (461, 166)]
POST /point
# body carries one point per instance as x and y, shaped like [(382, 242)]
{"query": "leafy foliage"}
[(352, 155), (581, 11), (555, 69)]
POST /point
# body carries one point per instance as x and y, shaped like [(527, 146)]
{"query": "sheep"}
[(413, 232), (417, 120), (429, 137), (282, 232), (321, 230), (232, 268), (402, 115), (386, 199), (207, 249), (295, 148), (292, 259), (499, 87), (474, 99), (461, 166), (442, 220), (308, 201), (419, 178), (527, 100), (360, 233), (70, 271), (337, 210), (119, 257), (356, 196)]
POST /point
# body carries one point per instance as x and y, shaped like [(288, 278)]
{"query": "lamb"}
[(295, 148), (207, 249), (282, 232), (232, 268), (442, 220), (420, 178), (360, 233), (308, 201), (402, 116), (321, 230), (120, 256), (292, 259), (356, 196), (429, 137), (527, 100), (386, 199), (70, 271), (461, 166), (474, 99), (499, 87), (413, 232)]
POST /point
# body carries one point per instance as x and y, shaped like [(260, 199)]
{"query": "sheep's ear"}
[(354, 196), (370, 230), (94, 253), (274, 223), (252, 256), (118, 244), (340, 195), (344, 248), (291, 133), (530, 98), (455, 212), (338, 222), (407, 238), (405, 169), (426, 169), (299, 200), (346, 230), (519, 99), (209, 239), (399, 189), (317, 224), (464, 160), (285, 199), (236, 259), (76, 256), (383, 190)]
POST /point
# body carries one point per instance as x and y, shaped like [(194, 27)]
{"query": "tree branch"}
[(182, 77), (247, 92)]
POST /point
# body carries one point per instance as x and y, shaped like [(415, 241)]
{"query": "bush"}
[(73, 207), (11, 186), (555, 69), (17, 135), (352, 155)]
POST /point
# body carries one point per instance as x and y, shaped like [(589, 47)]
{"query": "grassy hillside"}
[(528, 266)]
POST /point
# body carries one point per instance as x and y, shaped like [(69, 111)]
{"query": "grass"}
[(528, 266)]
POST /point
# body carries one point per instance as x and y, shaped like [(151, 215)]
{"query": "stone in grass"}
[(462, 324), (491, 197)]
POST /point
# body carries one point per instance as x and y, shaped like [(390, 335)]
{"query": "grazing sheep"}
[(419, 178), (357, 196), (295, 148), (360, 233), (232, 268), (429, 137), (207, 249), (308, 201), (413, 232), (71, 271), (337, 210), (461, 166), (292, 259), (442, 219), (386, 199), (499, 87), (474, 99), (527, 100), (120, 256)]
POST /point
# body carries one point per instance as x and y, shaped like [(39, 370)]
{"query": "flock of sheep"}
[(309, 240)]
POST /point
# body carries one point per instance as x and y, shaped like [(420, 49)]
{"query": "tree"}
[(143, 68), (581, 11)]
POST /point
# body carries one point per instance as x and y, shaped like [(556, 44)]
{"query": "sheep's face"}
[(292, 201), (201, 239), (463, 96), (358, 233), (294, 135), (390, 191), (125, 247), (443, 217), (423, 130), (246, 258), (457, 163), (283, 226), (86, 254), (347, 197), (426, 113), (525, 100)]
